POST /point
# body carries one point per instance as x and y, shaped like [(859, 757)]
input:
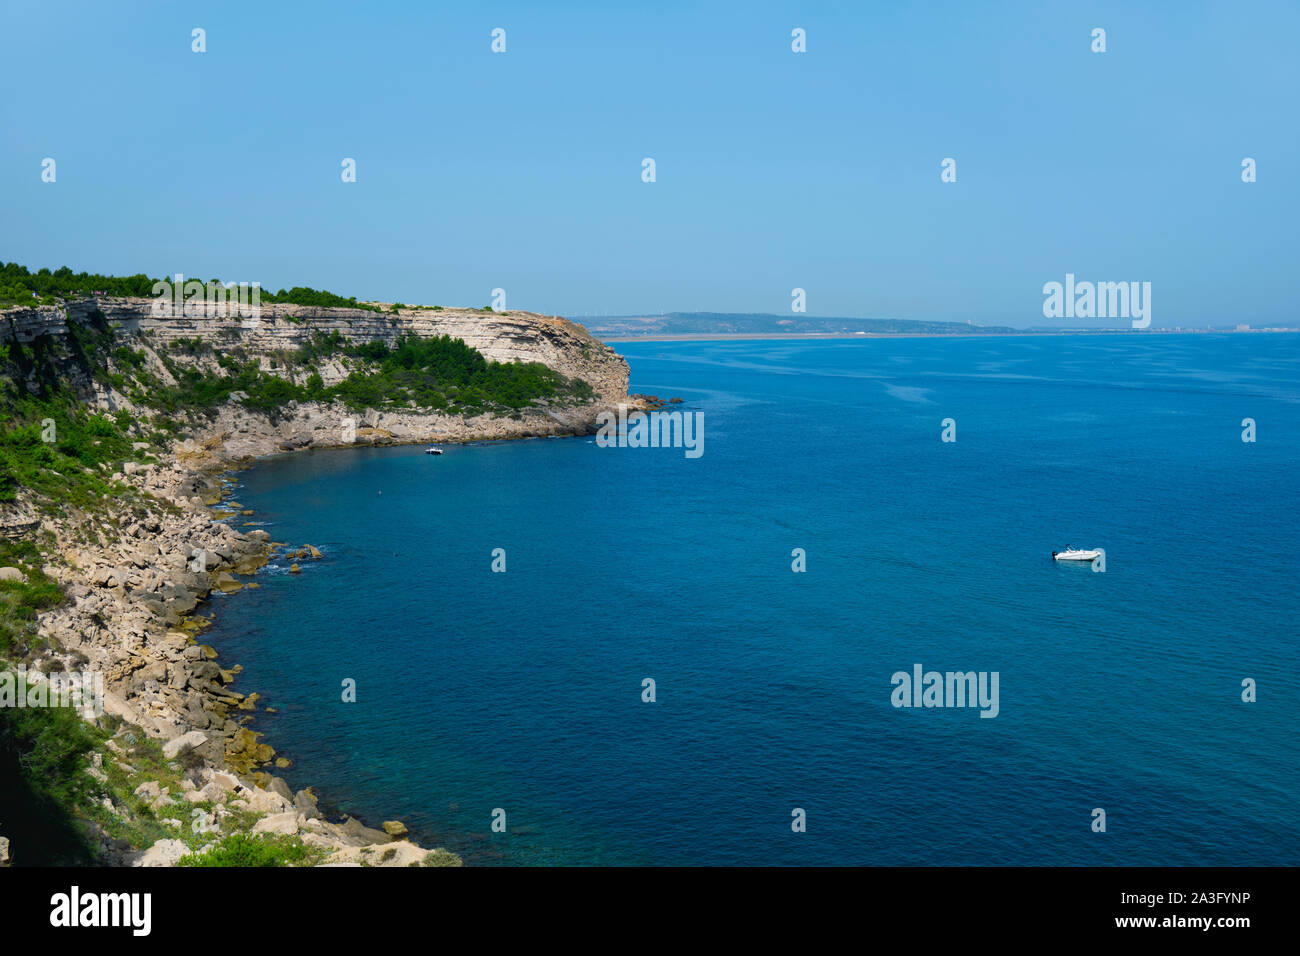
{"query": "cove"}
[(523, 690)]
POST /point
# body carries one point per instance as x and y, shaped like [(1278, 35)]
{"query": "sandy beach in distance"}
[(741, 336)]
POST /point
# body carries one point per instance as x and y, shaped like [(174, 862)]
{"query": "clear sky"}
[(523, 170)]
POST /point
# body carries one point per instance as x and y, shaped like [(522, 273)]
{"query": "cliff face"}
[(138, 557), (282, 328)]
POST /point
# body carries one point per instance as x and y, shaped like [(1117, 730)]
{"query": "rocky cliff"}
[(280, 329), (165, 345), (145, 539)]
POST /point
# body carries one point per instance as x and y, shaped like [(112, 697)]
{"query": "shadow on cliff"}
[(41, 829)]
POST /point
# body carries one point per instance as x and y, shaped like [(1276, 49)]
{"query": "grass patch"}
[(22, 601), (441, 857), (266, 849)]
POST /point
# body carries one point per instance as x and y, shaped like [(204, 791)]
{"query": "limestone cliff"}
[(127, 534), (562, 345)]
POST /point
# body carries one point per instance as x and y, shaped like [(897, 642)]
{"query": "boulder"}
[(12, 574), (227, 583), (176, 640), (186, 742), (107, 577), (249, 563), (305, 803), (226, 781), (395, 828), (116, 706), (180, 600), (278, 786), (151, 602), (212, 793), (154, 671), (263, 801), (394, 854), (149, 789), (198, 582), (162, 853), (286, 823), (243, 752), (205, 670), (362, 834)]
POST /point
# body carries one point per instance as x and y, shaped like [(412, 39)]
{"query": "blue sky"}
[(775, 170)]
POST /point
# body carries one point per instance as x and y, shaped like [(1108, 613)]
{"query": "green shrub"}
[(57, 469), (17, 283), (267, 849), (21, 601)]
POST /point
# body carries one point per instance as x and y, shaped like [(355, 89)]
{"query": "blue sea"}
[(522, 691)]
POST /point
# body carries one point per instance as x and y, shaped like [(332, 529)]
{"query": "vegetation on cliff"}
[(51, 442), (22, 600), (18, 283), (80, 792), (57, 452), (444, 373), (434, 374), (58, 449)]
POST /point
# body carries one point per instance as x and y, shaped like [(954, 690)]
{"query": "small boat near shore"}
[(433, 450), (1075, 554)]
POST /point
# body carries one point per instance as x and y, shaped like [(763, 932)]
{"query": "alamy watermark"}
[(82, 691), (208, 300), (1101, 300), (923, 688), (75, 909), (651, 430)]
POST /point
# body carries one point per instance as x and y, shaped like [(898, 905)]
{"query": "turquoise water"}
[(522, 691)]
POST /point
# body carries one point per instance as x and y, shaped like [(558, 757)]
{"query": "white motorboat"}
[(1075, 554), (433, 450)]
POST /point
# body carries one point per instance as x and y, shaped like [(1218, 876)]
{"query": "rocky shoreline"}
[(183, 769), (136, 582)]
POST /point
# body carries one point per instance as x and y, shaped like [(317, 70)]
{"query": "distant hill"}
[(747, 323)]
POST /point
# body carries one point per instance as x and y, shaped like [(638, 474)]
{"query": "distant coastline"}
[(754, 336), (724, 326)]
